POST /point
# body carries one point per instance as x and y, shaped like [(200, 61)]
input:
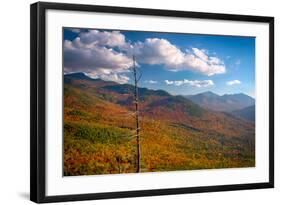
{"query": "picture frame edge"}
[(38, 109)]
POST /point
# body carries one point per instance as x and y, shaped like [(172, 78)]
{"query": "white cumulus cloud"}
[(151, 81), (108, 55), (155, 51), (193, 83), (91, 56), (103, 38), (200, 53), (110, 76), (233, 82)]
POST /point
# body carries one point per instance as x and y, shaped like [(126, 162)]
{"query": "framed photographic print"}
[(129, 102)]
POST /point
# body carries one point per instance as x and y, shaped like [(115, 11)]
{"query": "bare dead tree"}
[(136, 101)]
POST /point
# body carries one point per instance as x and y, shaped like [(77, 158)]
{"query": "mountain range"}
[(176, 132), (151, 101), (247, 113), (239, 105), (225, 103)]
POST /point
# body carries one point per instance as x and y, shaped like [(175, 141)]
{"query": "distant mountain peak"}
[(77, 74), (238, 95), (209, 93), (226, 102), (247, 113), (80, 76), (235, 94)]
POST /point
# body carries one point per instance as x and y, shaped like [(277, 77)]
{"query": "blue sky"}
[(178, 63)]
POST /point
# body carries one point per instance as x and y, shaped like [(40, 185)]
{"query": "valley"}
[(176, 132)]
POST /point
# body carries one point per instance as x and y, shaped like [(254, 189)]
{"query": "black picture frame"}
[(38, 97)]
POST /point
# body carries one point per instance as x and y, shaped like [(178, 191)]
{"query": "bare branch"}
[(139, 77)]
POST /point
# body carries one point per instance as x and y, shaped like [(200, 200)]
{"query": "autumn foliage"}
[(176, 134)]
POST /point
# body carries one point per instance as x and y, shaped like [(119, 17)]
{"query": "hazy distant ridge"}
[(226, 103)]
